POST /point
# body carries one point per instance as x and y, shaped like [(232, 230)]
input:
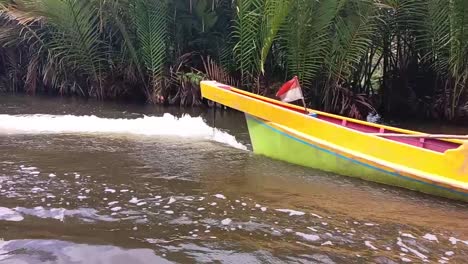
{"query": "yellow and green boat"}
[(347, 146)]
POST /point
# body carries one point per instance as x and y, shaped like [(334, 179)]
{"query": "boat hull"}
[(348, 146), (276, 142)]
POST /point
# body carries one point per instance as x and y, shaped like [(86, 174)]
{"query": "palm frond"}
[(151, 21), (117, 12), (353, 37), (435, 36), (19, 26), (459, 34), (246, 34), (275, 12), (312, 19), (213, 71), (74, 39)]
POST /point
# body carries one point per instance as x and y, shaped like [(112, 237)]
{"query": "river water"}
[(84, 182)]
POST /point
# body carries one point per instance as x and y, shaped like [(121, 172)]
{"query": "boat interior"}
[(437, 145)]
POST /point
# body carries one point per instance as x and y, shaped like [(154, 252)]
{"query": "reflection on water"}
[(56, 251), (130, 198)]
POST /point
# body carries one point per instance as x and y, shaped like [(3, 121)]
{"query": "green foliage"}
[(151, 20), (439, 29), (257, 25), (247, 37), (74, 38), (206, 16), (275, 12), (351, 56), (70, 41), (313, 19), (352, 39)]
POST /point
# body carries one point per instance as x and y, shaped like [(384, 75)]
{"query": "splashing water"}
[(167, 125)]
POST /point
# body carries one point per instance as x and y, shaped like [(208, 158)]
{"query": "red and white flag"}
[(290, 91)]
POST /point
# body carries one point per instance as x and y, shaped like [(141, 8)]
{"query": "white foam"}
[(109, 190), (27, 168), (36, 189), (117, 208), (7, 214), (316, 215), (454, 241), (369, 245), (430, 237), (171, 200), (226, 221), (291, 212), (408, 235), (309, 237), (414, 251), (167, 125), (220, 196)]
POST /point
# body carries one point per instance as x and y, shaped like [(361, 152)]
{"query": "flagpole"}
[(305, 107), (303, 102)]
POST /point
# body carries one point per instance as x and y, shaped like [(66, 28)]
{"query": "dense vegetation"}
[(399, 57)]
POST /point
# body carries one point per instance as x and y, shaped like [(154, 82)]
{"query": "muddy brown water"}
[(84, 182)]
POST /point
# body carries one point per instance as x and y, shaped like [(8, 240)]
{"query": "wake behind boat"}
[(347, 146)]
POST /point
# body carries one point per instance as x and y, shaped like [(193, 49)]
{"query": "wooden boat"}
[(348, 146)]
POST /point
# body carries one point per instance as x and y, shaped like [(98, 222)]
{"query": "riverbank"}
[(351, 57), (427, 124)]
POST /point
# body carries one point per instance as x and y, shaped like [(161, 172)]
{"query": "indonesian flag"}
[(290, 91)]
